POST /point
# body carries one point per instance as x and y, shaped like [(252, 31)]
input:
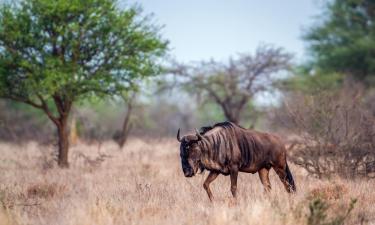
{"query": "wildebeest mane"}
[(220, 144), (226, 124)]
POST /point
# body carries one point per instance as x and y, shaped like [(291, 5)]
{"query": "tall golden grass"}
[(144, 184)]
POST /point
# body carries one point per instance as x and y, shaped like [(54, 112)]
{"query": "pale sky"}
[(204, 29)]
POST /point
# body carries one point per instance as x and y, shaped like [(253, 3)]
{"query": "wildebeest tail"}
[(290, 180)]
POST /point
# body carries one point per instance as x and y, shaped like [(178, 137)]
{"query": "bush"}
[(318, 213), (336, 130)]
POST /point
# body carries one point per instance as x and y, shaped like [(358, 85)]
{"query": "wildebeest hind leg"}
[(211, 177), (264, 178), (283, 177)]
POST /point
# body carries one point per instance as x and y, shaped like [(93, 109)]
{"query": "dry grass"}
[(143, 184)]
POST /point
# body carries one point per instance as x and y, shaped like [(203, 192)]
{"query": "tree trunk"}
[(63, 142), (230, 114), (232, 118), (126, 126)]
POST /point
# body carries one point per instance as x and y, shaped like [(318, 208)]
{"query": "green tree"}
[(343, 39), (310, 83), (54, 53)]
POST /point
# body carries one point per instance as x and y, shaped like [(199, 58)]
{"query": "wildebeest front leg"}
[(233, 181), (264, 178), (211, 177)]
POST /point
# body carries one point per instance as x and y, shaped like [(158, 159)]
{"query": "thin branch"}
[(47, 110), (23, 100)]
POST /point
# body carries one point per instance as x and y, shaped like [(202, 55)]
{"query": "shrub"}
[(46, 191), (328, 192), (318, 213), (336, 130)]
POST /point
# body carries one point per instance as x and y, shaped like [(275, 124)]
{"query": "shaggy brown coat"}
[(227, 149)]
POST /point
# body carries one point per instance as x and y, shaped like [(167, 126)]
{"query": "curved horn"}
[(178, 135), (200, 137)]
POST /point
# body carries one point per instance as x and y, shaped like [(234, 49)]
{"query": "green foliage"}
[(318, 213), (74, 49), (312, 83), (53, 53), (252, 116), (344, 39), (210, 113), (13, 107)]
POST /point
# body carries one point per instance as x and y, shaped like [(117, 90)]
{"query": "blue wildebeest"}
[(227, 149)]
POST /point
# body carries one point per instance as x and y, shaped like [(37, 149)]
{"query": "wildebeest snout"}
[(188, 172)]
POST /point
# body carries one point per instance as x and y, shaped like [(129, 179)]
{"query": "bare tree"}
[(234, 84)]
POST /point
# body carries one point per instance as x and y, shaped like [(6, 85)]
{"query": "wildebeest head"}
[(190, 153)]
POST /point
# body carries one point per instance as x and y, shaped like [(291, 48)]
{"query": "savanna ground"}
[(144, 184)]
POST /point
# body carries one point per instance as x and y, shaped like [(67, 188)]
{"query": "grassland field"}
[(144, 184)]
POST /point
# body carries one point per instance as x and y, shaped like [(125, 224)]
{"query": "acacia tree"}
[(343, 40), (233, 85), (53, 53)]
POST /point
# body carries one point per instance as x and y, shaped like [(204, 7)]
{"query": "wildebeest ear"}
[(178, 135), (200, 137)]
